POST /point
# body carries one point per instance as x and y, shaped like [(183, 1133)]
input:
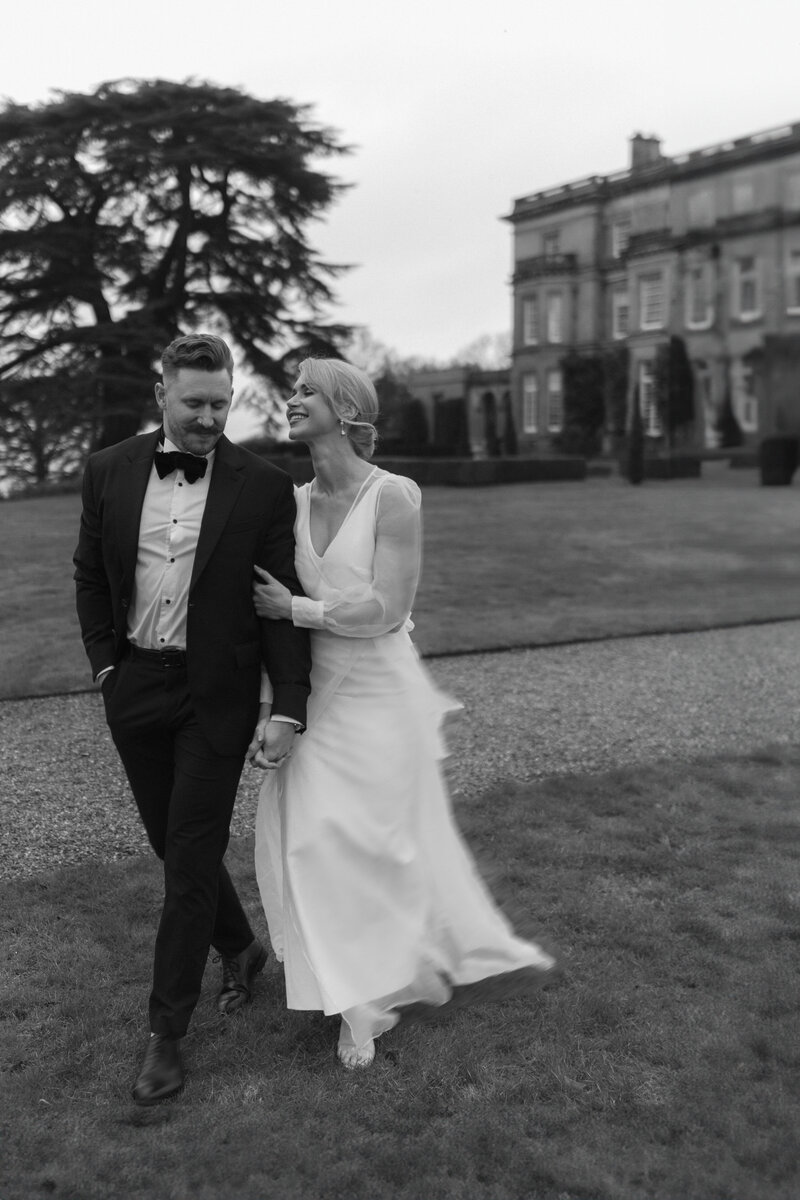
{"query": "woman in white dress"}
[(372, 899)]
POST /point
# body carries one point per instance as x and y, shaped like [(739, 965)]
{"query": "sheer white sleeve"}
[(382, 604)]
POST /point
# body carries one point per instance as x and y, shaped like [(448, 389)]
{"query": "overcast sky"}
[(454, 108)]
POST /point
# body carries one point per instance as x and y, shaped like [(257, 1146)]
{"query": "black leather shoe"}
[(161, 1075), (238, 973)]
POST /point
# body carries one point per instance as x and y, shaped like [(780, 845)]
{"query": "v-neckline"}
[(345, 519)]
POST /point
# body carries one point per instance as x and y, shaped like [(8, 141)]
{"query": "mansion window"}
[(647, 400), (530, 403), (793, 280), (701, 210), (620, 314), (651, 301), (555, 402), (743, 195), (705, 394), (530, 321), (745, 401), (699, 302), (550, 244), (792, 191), (555, 314), (746, 295), (620, 236)]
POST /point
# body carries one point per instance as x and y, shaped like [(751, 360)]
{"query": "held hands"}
[(271, 744), (271, 598), (272, 741)]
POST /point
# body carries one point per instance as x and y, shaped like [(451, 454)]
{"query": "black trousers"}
[(185, 794)]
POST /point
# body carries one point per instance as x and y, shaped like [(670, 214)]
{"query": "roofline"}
[(767, 143)]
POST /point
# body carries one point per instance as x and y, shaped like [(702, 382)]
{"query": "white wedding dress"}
[(372, 899)]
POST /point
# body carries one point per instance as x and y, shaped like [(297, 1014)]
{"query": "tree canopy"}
[(46, 427), (149, 208)]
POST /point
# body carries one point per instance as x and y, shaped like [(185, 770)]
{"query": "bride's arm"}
[(383, 603)]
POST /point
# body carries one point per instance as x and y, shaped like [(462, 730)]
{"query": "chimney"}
[(645, 150)]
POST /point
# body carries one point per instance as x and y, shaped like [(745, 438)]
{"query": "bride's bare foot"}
[(349, 1054)]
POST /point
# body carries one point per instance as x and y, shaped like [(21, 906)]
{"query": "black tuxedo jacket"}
[(248, 519)]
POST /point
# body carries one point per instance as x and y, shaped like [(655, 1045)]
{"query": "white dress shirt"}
[(172, 513), (169, 528)]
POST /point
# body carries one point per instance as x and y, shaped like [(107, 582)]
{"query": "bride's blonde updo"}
[(350, 394)]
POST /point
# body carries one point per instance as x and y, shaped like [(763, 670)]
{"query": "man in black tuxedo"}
[(170, 534)]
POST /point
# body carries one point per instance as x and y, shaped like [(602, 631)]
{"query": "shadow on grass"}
[(664, 1065)]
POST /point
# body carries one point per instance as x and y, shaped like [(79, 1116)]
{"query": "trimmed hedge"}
[(744, 459), (676, 466), (777, 460), (483, 472), (431, 472), (461, 472), (300, 469)]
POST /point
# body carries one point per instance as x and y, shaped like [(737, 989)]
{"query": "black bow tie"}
[(192, 466)]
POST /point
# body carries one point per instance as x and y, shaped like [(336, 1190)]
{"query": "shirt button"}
[(174, 520), (169, 602)]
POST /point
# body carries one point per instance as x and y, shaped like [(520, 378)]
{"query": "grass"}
[(664, 1066), (524, 564)]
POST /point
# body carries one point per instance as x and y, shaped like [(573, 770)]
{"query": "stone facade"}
[(703, 246), (468, 410)]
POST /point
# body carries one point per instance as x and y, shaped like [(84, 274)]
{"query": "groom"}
[(173, 524)]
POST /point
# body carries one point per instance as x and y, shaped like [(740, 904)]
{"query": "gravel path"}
[(587, 708)]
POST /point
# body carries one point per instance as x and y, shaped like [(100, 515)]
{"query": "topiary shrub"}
[(633, 457), (777, 460), (583, 378), (726, 425)]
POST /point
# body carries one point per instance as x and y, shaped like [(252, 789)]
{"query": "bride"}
[(372, 899)]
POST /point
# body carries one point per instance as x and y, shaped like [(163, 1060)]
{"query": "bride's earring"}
[(343, 428)]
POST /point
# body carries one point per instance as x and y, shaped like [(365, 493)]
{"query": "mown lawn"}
[(664, 1066), (517, 565)]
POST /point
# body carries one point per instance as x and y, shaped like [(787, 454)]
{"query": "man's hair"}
[(200, 351)]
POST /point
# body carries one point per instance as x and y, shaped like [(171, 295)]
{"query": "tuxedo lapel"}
[(227, 480), (132, 482)]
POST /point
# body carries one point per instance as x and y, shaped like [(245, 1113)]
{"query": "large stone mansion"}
[(704, 246)]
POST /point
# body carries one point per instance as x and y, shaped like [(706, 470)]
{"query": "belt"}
[(169, 657)]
